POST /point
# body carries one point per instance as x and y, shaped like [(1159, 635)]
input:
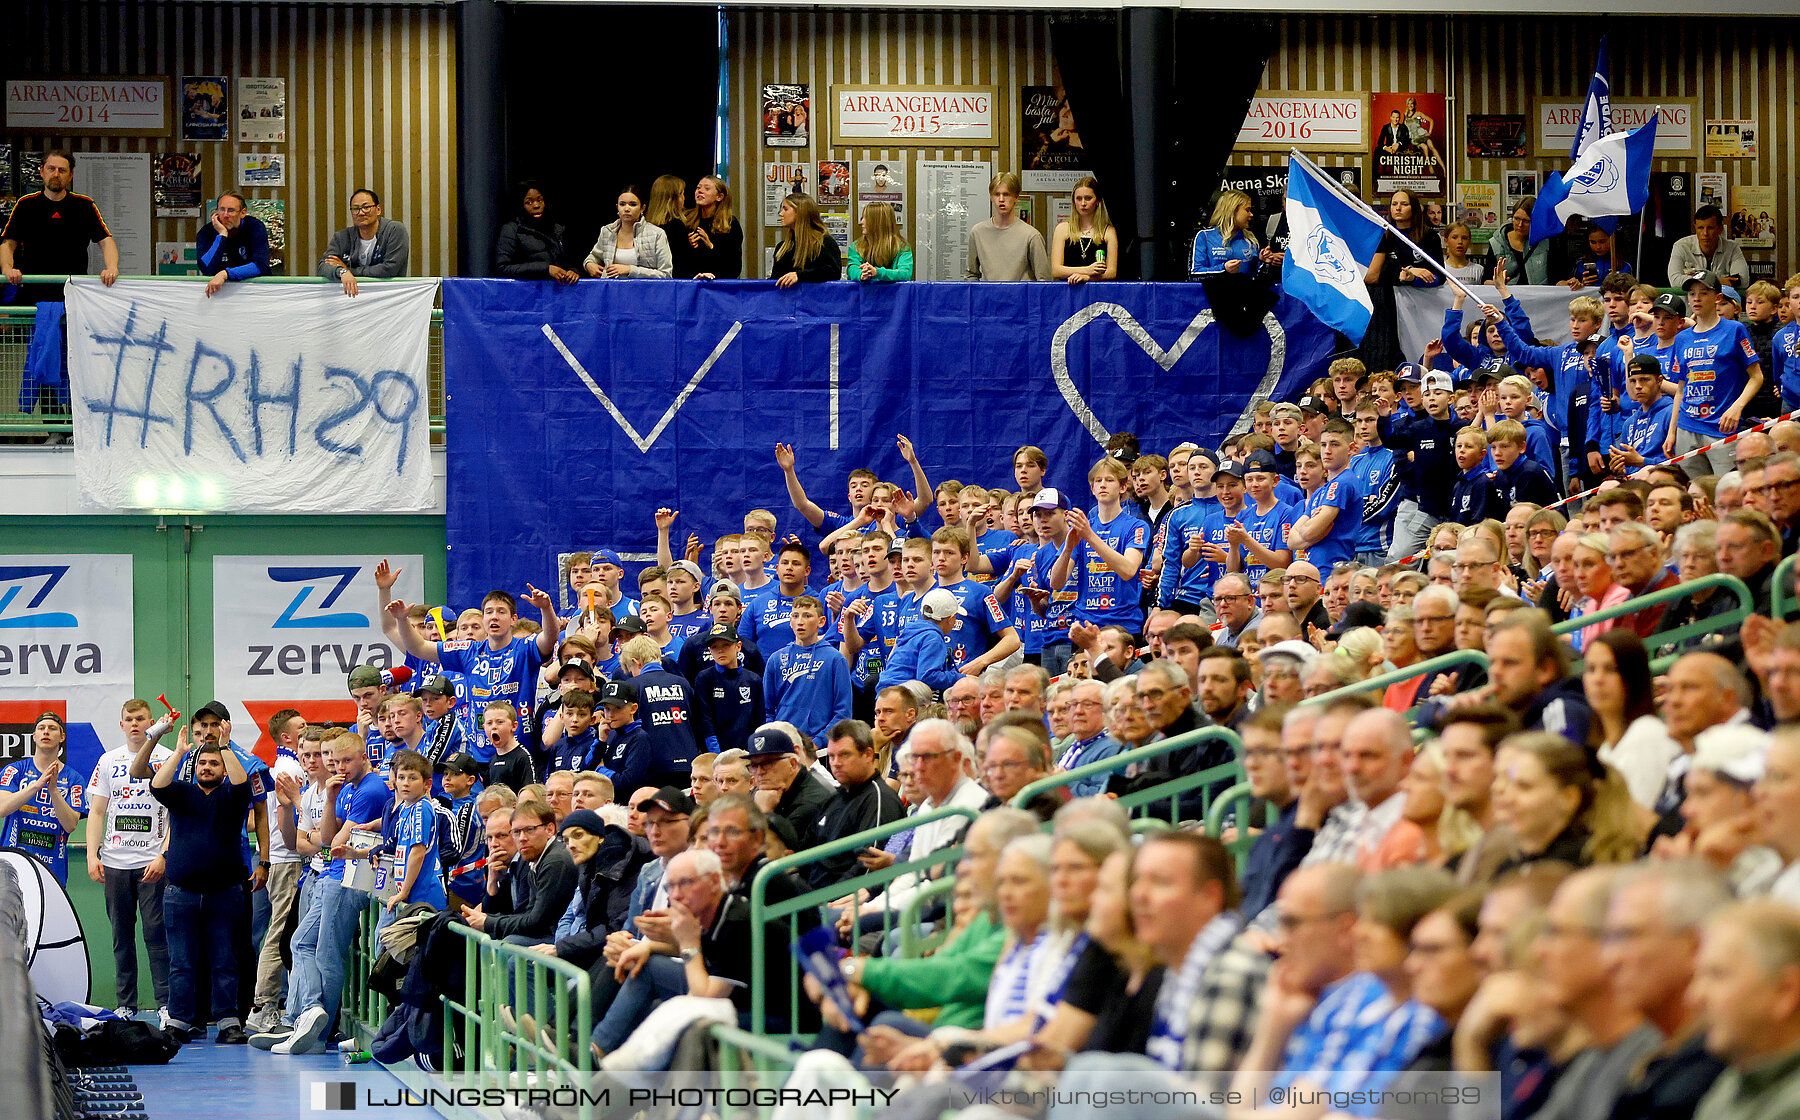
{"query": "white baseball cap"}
[(1438, 379), (940, 604)]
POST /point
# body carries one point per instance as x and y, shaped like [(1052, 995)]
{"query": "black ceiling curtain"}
[(601, 96), (1192, 86)]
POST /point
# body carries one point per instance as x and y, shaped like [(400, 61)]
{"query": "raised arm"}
[(921, 484), (552, 625), (784, 458)]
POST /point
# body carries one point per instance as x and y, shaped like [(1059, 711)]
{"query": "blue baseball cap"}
[(1261, 461), (608, 556), (1409, 371)]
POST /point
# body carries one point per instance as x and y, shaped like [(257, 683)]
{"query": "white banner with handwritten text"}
[(264, 398)]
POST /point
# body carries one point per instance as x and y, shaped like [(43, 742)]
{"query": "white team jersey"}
[(312, 811), (137, 824), (279, 852)]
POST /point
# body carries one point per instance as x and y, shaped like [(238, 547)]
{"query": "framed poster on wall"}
[(1308, 120), (914, 117)]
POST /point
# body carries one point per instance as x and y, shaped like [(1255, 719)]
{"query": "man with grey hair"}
[(991, 694), (1578, 982), (1634, 553), (1728, 495), (1478, 563), (1651, 940), (1434, 632), (1233, 598), (939, 755), (1781, 484), (1695, 554), (1440, 570), (1024, 687), (1376, 756), (1704, 690), (1089, 741), (1747, 986)]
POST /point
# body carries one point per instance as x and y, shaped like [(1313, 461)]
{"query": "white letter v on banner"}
[(643, 443)]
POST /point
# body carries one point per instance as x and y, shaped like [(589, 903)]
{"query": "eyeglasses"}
[(364, 208), (670, 822), (729, 833), (528, 831), (1229, 598), (1261, 752), (682, 884), (1472, 565), (1153, 695), (1301, 579), (927, 756)]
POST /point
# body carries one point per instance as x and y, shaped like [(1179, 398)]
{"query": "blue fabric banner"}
[(575, 412)]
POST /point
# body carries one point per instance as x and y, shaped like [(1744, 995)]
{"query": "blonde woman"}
[(630, 248), (668, 202), (713, 238), (880, 254), (807, 251), (1086, 247), (1227, 245)]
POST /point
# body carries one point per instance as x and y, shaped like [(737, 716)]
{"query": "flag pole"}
[(1380, 219)]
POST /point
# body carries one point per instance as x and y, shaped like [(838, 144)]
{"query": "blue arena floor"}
[(206, 1079)]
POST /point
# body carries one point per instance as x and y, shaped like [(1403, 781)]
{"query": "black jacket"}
[(828, 265), (527, 249), (536, 898), (725, 260), (850, 810), (802, 803), (607, 880), (1429, 476)]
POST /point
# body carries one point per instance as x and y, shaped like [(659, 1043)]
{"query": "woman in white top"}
[(1616, 678), (630, 248)]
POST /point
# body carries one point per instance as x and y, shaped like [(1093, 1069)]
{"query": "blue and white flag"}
[(1330, 244), (1596, 117), (1611, 179)]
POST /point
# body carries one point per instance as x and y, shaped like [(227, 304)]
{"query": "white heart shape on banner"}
[(1134, 330)]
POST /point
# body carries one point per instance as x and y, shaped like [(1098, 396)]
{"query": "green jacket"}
[(902, 270), (1769, 1091), (954, 979)]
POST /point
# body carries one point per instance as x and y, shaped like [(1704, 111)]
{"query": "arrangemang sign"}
[(60, 106), (1317, 122), (1675, 129), (914, 116)]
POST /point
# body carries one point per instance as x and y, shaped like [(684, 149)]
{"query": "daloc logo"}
[(17, 580), (291, 619)]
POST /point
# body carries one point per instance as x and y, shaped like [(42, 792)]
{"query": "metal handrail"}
[(763, 912), (911, 943), (59, 278), (1781, 588), (1170, 789), (1411, 672), (1669, 595), (1215, 820)]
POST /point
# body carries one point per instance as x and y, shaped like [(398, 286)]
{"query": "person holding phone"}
[(233, 245), (1601, 261)]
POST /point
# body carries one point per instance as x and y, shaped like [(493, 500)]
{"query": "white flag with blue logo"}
[(1596, 117), (1330, 243), (1611, 179)]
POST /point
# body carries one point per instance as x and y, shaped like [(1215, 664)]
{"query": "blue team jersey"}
[(361, 803), (685, 626), (879, 633), (1288, 491), (378, 747), (1026, 621), (411, 825), (509, 673), (1644, 429), (575, 752), (1784, 354), (34, 826), (1339, 544), (977, 629), (997, 546), (1106, 598), (1711, 366), (1379, 482), (468, 872), (1060, 610), (1176, 580), (1269, 530), (767, 620)]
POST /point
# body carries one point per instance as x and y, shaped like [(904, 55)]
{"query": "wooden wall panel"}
[(371, 102), (1734, 68), (822, 48)]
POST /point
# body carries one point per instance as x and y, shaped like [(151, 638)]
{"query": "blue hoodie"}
[(809, 687), (666, 707), (628, 756), (1525, 481), (1473, 497), (728, 706), (921, 654)]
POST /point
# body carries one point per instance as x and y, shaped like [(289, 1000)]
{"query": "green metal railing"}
[(1729, 620), (494, 1052), (16, 324), (1227, 774), (912, 942), (763, 912), (1781, 589), (1231, 799), (1449, 660)]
